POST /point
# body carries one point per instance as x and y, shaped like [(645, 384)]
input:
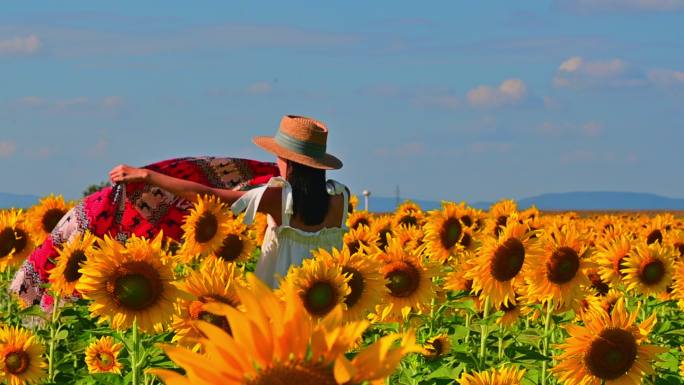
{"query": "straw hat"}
[(302, 140)]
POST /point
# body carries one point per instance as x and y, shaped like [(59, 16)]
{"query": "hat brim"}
[(268, 143)]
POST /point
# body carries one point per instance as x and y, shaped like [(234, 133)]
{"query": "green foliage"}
[(95, 187)]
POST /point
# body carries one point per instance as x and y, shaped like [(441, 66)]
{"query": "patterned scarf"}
[(134, 208)]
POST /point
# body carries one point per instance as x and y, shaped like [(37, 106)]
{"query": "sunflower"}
[(353, 203), (500, 263), (259, 227), (511, 313), (319, 286), (655, 230), (359, 218), (101, 356), (410, 237), (502, 376), (16, 242), (361, 239), (20, 356), (437, 347), (408, 214), (676, 240), (498, 215), (649, 269), (556, 274), (205, 228), (382, 226), (275, 342), (611, 299), (130, 282), (597, 284), (366, 284), (214, 281), (443, 231), (65, 275), (237, 245), (611, 257), (586, 302), (44, 216), (608, 349), (409, 280)]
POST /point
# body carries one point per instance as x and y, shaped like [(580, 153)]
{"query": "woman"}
[(305, 212)]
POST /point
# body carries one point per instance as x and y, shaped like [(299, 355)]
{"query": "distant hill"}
[(8, 200), (581, 200)]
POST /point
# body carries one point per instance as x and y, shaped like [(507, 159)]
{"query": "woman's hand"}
[(124, 174)]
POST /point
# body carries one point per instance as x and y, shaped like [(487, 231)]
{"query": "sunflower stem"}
[(500, 345), (485, 332), (53, 335), (545, 346), (134, 353), (467, 325)]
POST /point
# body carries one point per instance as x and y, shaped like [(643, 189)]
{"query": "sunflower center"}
[(361, 222), (216, 320), (563, 265), (7, 241), (437, 346), (137, 286), (619, 264), (71, 272), (466, 240), (680, 247), (408, 220), (654, 236), (356, 285), (17, 362), (20, 240), (508, 260), (403, 280), (320, 298), (500, 224), (231, 249), (382, 241), (51, 218), (612, 354), (467, 220), (206, 227), (450, 232), (598, 284), (295, 374), (105, 361), (354, 246), (651, 271)]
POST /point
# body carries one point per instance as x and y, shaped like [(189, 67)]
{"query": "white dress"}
[(283, 245)]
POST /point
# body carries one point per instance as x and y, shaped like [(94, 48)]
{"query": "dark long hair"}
[(309, 194)]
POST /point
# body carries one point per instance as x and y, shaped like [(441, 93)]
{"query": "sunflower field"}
[(450, 296)]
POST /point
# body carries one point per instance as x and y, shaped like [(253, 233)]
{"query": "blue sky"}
[(456, 100)]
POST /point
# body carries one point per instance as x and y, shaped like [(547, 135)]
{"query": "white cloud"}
[(112, 102), (7, 149), (20, 45), (592, 128), (509, 91), (579, 72), (623, 5), (666, 77), (260, 88)]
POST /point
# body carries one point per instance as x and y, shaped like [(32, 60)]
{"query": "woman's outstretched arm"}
[(183, 188)]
